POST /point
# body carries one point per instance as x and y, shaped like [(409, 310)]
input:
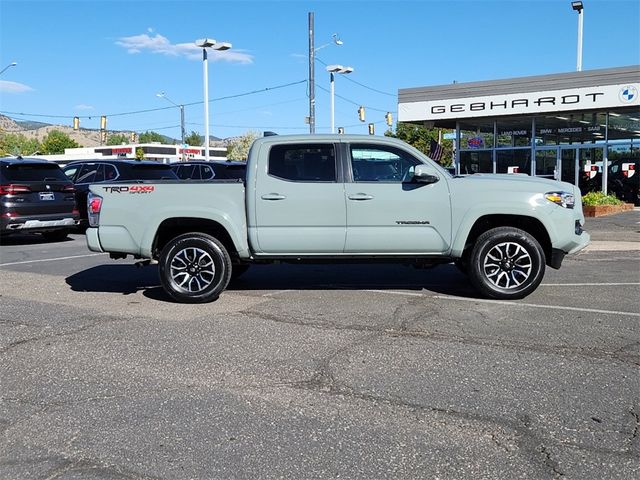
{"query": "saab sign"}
[(588, 98)]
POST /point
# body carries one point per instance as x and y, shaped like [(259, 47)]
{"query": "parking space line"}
[(391, 292), (50, 259), (588, 284), (535, 305)]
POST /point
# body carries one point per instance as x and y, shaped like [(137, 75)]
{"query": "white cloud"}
[(159, 44), (14, 87), (82, 106)]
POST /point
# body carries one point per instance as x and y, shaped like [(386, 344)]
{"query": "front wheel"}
[(506, 263), (194, 268)]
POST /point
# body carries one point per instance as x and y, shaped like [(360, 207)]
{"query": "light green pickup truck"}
[(328, 198)]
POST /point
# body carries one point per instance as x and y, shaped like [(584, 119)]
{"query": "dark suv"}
[(87, 172), (203, 170), (36, 197)]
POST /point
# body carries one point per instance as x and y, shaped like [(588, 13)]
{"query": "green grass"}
[(599, 198)]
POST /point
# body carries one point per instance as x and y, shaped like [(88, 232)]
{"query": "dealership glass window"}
[(513, 161), (565, 128), (476, 162), (624, 126), (476, 134), (513, 132), (624, 172)]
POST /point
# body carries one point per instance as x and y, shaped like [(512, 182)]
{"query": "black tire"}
[(194, 268), (55, 235), (506, 263)]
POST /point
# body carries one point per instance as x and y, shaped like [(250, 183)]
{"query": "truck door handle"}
[(273, 196), (360, 196)]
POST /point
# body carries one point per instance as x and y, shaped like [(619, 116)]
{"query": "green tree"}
[(139, 153), (117, 139), (149, 137), (17, 144), (238, 147), (420, 138), (194, 139), (56, 141)]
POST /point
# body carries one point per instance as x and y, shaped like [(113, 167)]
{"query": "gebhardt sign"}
[(587, 98)]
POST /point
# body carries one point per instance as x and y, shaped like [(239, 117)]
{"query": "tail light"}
[(13, 188), (94, 205), (69, 188)]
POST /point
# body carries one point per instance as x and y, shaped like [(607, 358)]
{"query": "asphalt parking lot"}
[(370, 371)]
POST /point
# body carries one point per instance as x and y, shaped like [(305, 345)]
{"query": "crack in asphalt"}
[(94, 468), (636, 428), (71, 332), (585, 352), (550, 462)]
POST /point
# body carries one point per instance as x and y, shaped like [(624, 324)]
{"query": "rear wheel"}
[(55, 235), (194, 268), (506, 263)]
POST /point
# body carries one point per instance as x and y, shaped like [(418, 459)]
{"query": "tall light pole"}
[(333, 69), (205, 43), (181, 107), (12, 64), (579, 7), (312, 79)]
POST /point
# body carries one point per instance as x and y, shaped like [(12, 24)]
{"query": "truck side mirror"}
[(422, 175)]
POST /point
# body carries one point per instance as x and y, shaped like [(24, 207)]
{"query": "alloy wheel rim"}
[(192, 270), (508, 265)]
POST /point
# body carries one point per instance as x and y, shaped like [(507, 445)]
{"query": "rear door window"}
[(206, 172), (303, 163), (88, 173)]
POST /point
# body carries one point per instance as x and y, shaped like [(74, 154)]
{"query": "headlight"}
[(564, 199)]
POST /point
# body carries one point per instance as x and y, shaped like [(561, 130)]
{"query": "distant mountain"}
[(84, 137)]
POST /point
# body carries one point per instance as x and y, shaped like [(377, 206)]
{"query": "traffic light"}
[(103, 136), (341, 130), (76, 123), (372, 129), (361, 113), (389, 118), (103, 122), (134, 137)]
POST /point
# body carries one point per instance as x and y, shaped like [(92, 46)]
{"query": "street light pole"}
[(579, 7), (205, 43), (333, 69), (181, 107), (12, 64)]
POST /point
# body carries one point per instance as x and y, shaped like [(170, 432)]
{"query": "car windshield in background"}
[(152, 172), (30, 172)]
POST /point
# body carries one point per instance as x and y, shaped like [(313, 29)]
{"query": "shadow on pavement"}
[(28, 239), (129, 279)]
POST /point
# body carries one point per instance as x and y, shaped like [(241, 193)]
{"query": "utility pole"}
[(312, 84)]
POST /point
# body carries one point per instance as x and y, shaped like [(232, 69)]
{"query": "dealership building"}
[(564, 126)]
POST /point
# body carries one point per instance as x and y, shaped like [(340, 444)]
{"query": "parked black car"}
[(203, 170), (87, 172), (36, 197)]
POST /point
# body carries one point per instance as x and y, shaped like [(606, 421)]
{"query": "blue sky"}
[(92, 58)]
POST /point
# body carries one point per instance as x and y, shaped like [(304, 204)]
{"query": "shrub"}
[(599, 198)]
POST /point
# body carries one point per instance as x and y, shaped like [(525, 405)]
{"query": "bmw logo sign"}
[(628, 94)]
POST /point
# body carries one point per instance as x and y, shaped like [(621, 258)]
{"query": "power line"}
[(352, 102), (347, 77), (253, 92)]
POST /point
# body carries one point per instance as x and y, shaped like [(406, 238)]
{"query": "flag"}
[(436, 151)]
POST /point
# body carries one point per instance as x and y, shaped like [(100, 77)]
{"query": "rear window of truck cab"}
[(303, 163)]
